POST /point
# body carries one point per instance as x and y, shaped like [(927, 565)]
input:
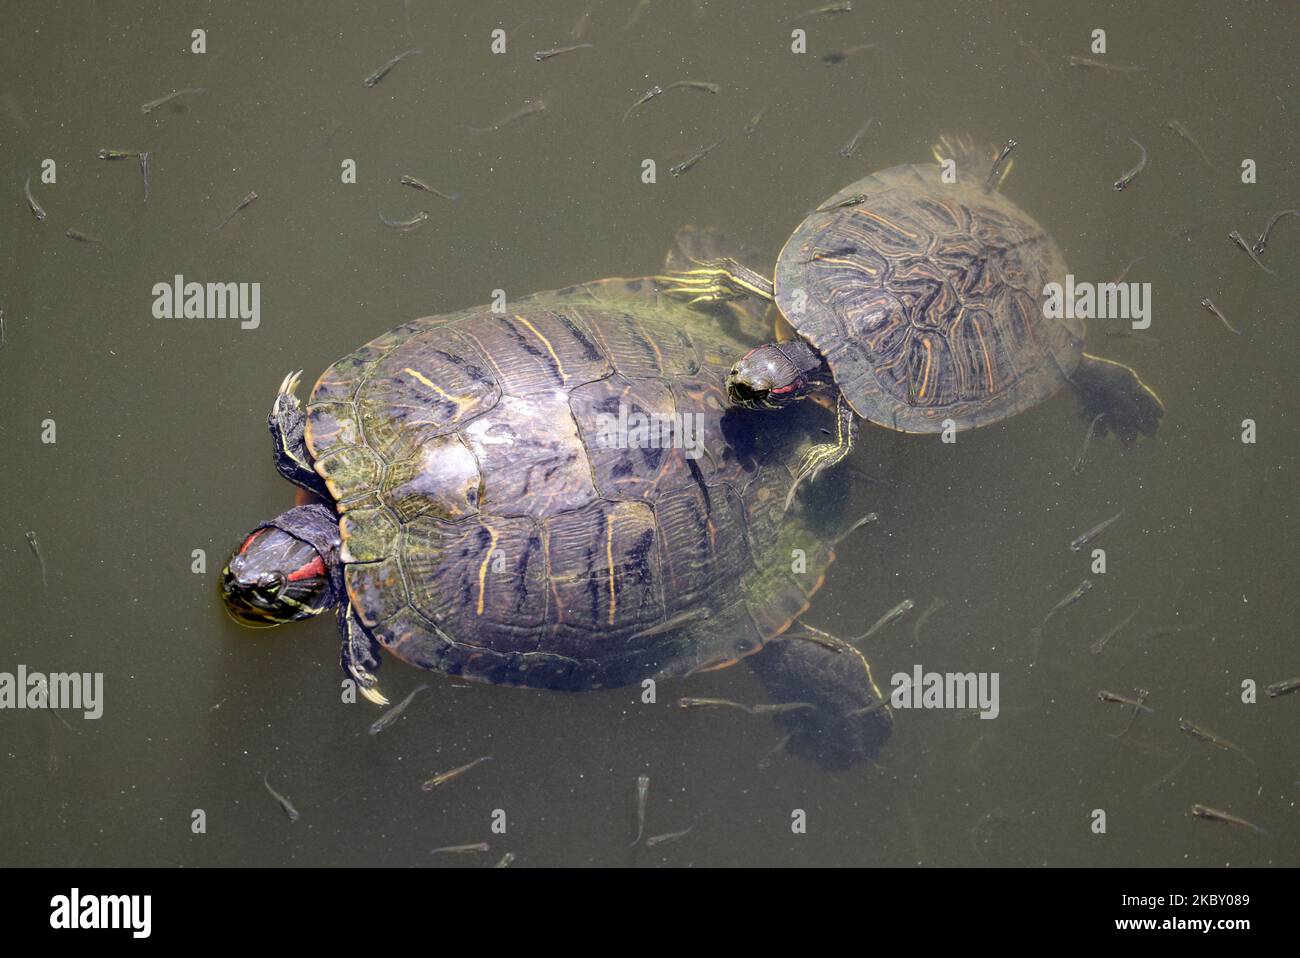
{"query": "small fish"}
[(868, 709), (424, 187), (506, 860), (691, 160), (822, 254), (701, 85), (547, 54), (766, 760), (580, 25), (649, 95), (282, 799), (654, 840), (893, 615), (1216, 815), (243, 205), (1033, 52), (846, 7), (1131, 175), (1237, 238), (866, 520), (37, 210), (442, 778), (393, 714), (80, 237), (757, 118), (1186, 134), (2, 329), (934, 607), (1166, 778), (154, 104), (1138, 704), (1113, 631), (144, 172), (1122, 333), (849, 148), (687, 702), (1283, 688), (642, 793), (1205, 735), (474, 847), (528, 109), (1120, 278), (1081, 461), (404, 225), (1084, 538), (993, 176), (1087, 64), (387, 68), (679, 620), (779, 708), (1273, 221), (117, 154), (839, 56), (1082, 589), (852, 200), (1207, 304)]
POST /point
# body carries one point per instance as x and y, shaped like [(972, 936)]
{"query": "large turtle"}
[(917, 302), (493, 508)]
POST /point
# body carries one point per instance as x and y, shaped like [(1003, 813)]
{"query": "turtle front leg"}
[(717, 281), (286, 423), (360, 656), (824, 455), (1113, 391)]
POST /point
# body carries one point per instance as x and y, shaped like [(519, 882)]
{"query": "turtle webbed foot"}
[(845, 718), (716, 281), (1127, 406)]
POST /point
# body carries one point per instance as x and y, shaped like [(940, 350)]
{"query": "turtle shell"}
[(498, 524), (925, 299)]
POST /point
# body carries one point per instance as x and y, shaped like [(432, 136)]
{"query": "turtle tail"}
[(983, 165)]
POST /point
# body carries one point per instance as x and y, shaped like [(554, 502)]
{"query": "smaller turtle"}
[(917, 302)]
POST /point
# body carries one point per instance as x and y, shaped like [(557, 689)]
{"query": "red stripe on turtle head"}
[(316, 567), (249, 541)]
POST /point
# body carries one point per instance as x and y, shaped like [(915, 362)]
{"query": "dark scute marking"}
[(590, 352)]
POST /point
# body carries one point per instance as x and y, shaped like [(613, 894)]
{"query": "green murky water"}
[(161, 447)]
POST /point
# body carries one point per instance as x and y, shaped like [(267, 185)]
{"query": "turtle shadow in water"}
[(847, 722)]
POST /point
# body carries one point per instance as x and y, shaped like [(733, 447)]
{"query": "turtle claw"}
[(287, 391)]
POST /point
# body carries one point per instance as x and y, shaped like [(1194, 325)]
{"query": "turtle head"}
[(766, 378), (276, 576)]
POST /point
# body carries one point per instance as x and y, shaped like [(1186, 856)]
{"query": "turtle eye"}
[(272, 584)]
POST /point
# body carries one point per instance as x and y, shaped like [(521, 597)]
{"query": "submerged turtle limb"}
[(744, 317), (717, 281), (286, 423), (1113, 391), (360, 654), (825, 455), (850, 720)]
